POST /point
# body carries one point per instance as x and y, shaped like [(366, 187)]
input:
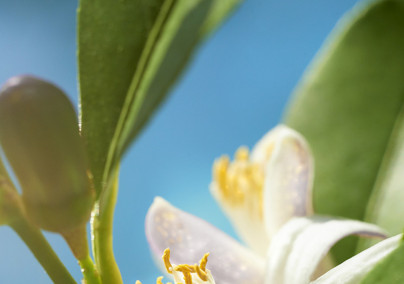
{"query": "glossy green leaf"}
[(130, 55), (349, 107), (389, 270), (111, 37)]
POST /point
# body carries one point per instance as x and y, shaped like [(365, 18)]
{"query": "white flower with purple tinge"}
[(267, 197)]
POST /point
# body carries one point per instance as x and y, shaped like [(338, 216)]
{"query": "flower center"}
[(186, 269), (241, 181)]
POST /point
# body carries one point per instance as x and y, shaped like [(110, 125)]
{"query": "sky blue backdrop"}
[(234, 91)]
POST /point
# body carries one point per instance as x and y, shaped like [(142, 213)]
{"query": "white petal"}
[(262, 151), (189, 238), (296, 251), (283, 160), (249, 227), (355, 269), (280, 249), (289, 179)]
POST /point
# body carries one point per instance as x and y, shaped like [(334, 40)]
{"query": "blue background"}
[(234, 91)]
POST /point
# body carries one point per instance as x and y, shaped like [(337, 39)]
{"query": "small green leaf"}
[(349, 107), (389, 270), (130, 55)]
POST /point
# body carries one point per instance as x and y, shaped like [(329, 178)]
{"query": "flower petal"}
[(260, 193), (296, 251), (355, 269), (249, 227), (189, 238), (289, 178)]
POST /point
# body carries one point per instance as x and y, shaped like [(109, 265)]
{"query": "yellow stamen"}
[(242, 154), (187, 277), (202, 274), (220, 168), (185, 269), (241, 181), (203, 262), (166, 259), (138, 282)]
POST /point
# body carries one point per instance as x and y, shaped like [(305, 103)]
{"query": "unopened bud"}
[(40, 138)]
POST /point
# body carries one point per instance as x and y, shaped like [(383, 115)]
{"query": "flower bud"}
[(40, 137)]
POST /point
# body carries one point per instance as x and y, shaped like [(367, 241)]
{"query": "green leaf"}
[(130, 55), (389, 270), (349, 107), (111, 37)]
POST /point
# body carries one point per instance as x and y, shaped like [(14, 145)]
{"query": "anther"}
[(166, 259), (202, 274), (242, 154), (202, 263)]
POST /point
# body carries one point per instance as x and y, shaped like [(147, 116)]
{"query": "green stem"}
[(43, 252), (77, 241), (101, 229), (89, 271)]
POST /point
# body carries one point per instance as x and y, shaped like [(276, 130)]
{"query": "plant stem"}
[(89, 271), (101, 229), (43, 252), (78, 243)]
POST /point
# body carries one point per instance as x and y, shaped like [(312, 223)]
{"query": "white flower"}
[(297, 249), (190, 237), (259, 194), (279, 174)]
